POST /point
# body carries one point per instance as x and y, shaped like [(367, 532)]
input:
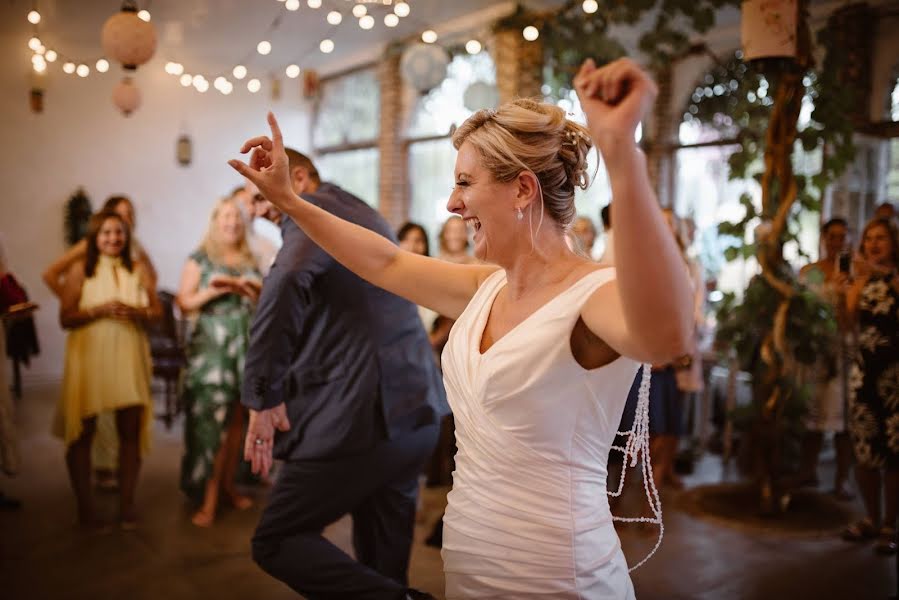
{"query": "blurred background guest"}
[(413, 238), (105, 450), (220, 283), (263, 237), (454, 243), (608, 253), (584, 232), (873, 303), (826, 380), (106, 299)]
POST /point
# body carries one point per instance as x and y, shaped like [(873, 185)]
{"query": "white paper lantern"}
[(480, 94), (126, 96), (423, 66), (128, 39)]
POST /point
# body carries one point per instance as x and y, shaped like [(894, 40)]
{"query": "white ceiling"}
[(210, 36)]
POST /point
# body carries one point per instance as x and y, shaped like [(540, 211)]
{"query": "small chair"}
[(167, 352)]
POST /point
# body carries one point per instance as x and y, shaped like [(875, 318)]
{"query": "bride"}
[(546, 344)]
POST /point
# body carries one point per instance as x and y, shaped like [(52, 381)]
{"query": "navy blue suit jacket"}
[(351, 361)]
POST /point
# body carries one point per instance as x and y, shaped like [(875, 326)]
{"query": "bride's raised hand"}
[(615, 98), (268, 167)]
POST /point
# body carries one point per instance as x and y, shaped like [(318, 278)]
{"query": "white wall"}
[(82, 140)]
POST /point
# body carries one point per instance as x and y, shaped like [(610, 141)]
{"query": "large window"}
[(345, 133), (431, 153), (356, 171), (893, 175)]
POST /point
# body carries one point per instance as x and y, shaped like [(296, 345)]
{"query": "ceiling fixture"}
[(127, 38)]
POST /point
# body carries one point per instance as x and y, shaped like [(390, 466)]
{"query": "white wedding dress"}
[(528, 515)]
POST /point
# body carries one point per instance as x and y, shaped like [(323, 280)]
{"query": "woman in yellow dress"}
[(106, 299)]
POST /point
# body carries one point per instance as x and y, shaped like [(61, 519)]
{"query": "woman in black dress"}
[(873, 301)]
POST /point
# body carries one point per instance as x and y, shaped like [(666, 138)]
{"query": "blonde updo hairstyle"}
[(526, 135)]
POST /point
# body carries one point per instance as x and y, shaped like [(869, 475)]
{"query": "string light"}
[(34, 43), (264, 47), (68, 68), (366, 22), (429, 36), (219, 82), (292, 5), (186, 80), (50, 55), (326, 46), (102, 65), (39, 67), (83, 70), (34, 17), (254, 85), (293, 71), (144, 15), (359, 11), (41, 49), (201, 86), (314, 3), (239, 72), (590, 6), (530, 33), (334, 17), (401, 9), (391, 20), (473, 46)]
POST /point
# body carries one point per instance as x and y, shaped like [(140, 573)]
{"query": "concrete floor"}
[(43, 556)]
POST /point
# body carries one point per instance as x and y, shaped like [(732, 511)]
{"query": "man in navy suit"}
[(342, 385)]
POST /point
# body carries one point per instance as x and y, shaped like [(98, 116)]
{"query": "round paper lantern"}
[(424, 66), (480, 94), (127, 38), (126, 96)]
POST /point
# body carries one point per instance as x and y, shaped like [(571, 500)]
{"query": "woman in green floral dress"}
[(220, 284)]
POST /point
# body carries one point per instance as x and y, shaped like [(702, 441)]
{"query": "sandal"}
[(860, 531), (886, 542)]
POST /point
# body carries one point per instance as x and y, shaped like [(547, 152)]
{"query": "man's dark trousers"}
[(379, 489)]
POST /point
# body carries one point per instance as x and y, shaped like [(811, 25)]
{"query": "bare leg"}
[(78, 461), (809, 451), (206, 515), (233, 450), (128, 424), (869, 484), (843, 447)]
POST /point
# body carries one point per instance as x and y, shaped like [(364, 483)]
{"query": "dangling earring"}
[(519, 214)]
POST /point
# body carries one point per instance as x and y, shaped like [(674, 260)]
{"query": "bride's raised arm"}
[(443, 287)]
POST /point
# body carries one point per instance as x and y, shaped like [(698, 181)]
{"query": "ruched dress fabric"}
[(528, 516)]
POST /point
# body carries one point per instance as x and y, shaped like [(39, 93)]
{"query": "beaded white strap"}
[(637, 444)]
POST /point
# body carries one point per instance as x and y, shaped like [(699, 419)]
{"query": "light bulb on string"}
[(37, 59), (39, 67), (590, 6), (51, 55), (68, 68), (401, 9), (473, 46), (293, 71), (292, 5), (334, 17), (391, 20), (227, 88), (186, 80), (83, 70), (34, 43), (254, 85), (326, 46), (34, 17), (314, 3), (530, 33), (367, 22), (219, 82), (264, 47), (429, 36), (102, 65), (359, 11), (41, 49), (201, 86), (239, 72), (144, 15)]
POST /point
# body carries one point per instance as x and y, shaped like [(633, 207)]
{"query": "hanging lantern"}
[(768, 28), (127, 38), (126, 96), (480, 94), (183, 150), (423, 66), (311, 84)]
